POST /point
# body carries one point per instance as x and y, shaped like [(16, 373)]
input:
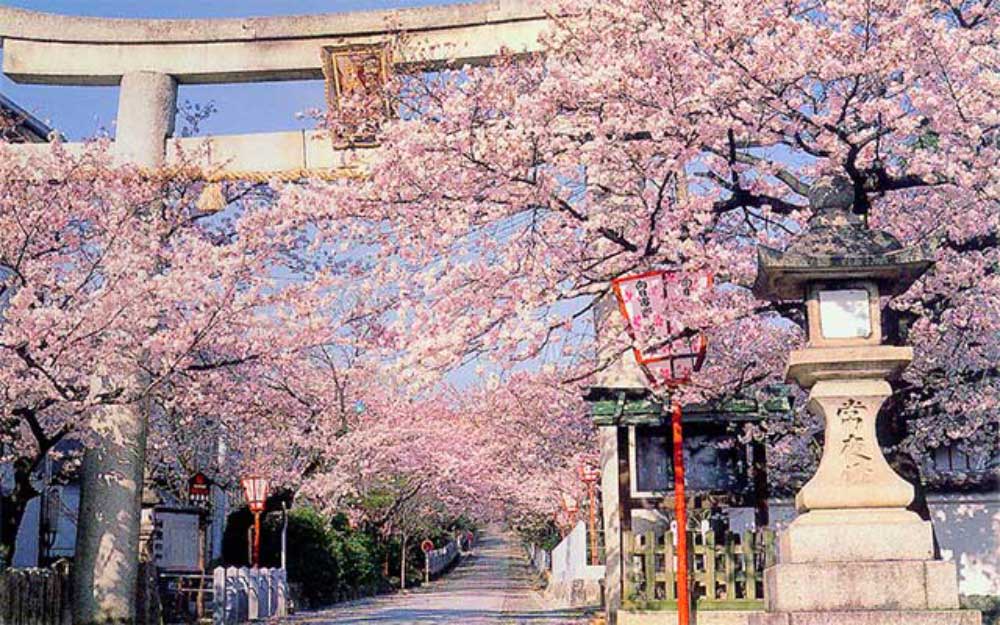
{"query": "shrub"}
[(313, 562), (988, 605)]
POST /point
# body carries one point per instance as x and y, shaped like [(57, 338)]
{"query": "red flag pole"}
[(680, 512)]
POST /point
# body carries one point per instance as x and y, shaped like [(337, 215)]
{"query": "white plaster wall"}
[(569, 558), (26, 547), (967, 527)]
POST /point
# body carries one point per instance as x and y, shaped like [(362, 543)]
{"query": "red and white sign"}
[(651, 303), (199, 490), (427, 546)]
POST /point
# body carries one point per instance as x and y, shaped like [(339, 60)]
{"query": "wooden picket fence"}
[(35, 596), (726, 569)]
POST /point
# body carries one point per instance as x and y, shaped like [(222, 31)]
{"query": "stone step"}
[(873, 617), (884, 585)]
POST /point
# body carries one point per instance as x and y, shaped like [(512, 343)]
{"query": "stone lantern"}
[(855, 554)]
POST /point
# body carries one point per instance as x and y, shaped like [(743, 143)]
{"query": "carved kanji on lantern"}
[(854, 446), (355, 80)]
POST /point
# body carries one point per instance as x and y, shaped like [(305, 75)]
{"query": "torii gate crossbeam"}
[(45, 48)]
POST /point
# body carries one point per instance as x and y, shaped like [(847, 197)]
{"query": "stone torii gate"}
[(148, 59)]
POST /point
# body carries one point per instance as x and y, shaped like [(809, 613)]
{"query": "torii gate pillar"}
[(147, 107), (107, 553)]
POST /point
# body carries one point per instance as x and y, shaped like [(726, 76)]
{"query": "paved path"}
[(493, 587)]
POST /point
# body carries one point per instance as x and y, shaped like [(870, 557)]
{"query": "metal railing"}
[(185, 597)]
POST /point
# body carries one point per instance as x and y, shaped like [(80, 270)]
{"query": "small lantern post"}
[(668, 355), (589, 476), (200, 496), (570, 509), (255, 491)]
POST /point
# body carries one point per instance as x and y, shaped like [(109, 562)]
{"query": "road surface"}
[(492, 587)]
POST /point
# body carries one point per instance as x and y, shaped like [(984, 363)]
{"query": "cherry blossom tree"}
[(117, 287), (684, 134), (345, 438), (317, 328)]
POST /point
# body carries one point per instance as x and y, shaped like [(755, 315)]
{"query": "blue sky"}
[(81, 112)]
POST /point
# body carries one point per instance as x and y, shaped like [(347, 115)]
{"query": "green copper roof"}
[(628, 409)]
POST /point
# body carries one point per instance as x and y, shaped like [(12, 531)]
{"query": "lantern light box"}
[(844, 313)]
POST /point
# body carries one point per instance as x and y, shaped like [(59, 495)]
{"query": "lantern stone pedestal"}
[(856, 555)]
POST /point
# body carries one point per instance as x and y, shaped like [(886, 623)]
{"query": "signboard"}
[(199, 490), (176, 541), (711, 466), (427, 546), (355, 78)]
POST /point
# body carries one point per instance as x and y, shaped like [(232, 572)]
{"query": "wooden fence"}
[(726, 570), (35, 596)]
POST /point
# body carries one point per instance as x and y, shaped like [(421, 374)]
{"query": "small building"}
[(19, 126), (725, 478)]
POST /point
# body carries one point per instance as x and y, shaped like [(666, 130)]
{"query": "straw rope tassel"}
[(212, 198)]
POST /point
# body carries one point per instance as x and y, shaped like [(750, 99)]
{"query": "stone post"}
[(251, 578), (106, 567), (147, 108), (607, 437), (281, 600), (622, 374), (106, 562), (219, 596)]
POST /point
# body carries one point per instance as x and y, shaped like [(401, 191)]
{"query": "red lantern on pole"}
[(255, 491), (668, 353)]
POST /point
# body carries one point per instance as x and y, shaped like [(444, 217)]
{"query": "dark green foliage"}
[(359, 553), (327, 559), (538, 530), (234, 540), (313, 562), (989, 606)]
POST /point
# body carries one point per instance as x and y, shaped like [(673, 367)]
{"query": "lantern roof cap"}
[(837, 245)]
